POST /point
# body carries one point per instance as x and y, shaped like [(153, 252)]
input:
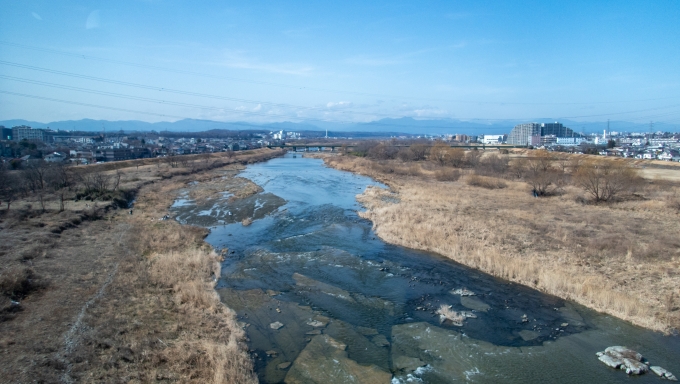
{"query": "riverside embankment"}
[(618, 258), (122, 295), (322, 299)]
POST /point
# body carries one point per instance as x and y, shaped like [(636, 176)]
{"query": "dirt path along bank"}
[(110, 296)]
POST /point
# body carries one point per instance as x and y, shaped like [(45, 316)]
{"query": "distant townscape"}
[(22, 143)]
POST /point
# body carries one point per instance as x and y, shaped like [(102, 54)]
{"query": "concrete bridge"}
[(321, 147)]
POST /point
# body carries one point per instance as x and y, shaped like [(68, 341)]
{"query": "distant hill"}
[(404, 125)]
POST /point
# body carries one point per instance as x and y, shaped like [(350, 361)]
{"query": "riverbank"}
[(619, 258), (116, 296)]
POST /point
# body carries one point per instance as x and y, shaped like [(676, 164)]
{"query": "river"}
[(324, 300)]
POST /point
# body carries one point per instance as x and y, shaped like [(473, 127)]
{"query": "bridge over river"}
[(333, 147)]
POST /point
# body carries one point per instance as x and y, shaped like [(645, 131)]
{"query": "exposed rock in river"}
[(408, 364), (474, 303), (462, 292), (528, 335), (623, 358), (451, 356), (663, 373), (354, 298), (325, 360), (359, 347)]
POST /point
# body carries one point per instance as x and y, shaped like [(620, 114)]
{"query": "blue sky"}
[(343, 61)]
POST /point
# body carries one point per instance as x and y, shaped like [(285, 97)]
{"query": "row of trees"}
[(41, 178), (545, 172)]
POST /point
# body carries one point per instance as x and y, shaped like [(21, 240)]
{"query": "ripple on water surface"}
[(324, 301)]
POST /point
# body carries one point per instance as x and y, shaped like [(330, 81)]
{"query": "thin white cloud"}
[(37, 17), (93, 20), (237, 59), (339, 104), (430, 112), (377, 61)]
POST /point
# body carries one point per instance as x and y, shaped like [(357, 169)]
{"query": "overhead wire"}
[(298, 87), (280, 105)]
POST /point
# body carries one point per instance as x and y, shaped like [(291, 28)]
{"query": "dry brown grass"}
[(150, 314), (485, 182), (620, 258), (447, 174)]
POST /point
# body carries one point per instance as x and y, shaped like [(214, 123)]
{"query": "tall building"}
[(532, 133), (520, 135), (24, 132), (6, 133)]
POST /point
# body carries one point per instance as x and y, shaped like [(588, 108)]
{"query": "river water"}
[(324, 300)]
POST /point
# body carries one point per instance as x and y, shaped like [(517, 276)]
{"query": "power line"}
[(203, 95), (252, 126), (176, 91), (290, 86), (222, 109), (185, 117), (619, 113)]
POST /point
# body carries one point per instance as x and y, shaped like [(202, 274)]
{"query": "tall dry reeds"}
[(486, 182), (612, 258), (162, 312)]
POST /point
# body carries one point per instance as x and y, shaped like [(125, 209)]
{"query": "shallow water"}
[(350, 304)]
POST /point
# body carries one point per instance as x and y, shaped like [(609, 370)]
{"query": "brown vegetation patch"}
[(130, 297), (486, 182), (618, 257)]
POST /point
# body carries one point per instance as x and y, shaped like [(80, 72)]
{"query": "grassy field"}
[(620, 257), (109, 296)]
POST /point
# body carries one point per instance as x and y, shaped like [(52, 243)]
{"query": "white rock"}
[(610, 361), (462, 292), (663, 373), (275, 325), (315, 323), (624, 358)]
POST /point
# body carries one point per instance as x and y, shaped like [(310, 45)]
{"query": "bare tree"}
[(363, 147), (440, 153), (382, 151), (472, 157), (61, 176), (96, 181), (541, 175), (493, 165), (36, 174), (419, 151), (9, 186), (605, 179), (172, 160), (519, 167), (116, 179), (456, 157)]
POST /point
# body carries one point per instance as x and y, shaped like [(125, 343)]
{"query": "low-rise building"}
[(55, 157)]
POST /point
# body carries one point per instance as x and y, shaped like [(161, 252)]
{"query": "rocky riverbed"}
[(323, 300)]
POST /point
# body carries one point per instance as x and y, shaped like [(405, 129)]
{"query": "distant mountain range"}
[(405, 125)]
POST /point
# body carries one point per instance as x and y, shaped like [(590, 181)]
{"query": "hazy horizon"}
[(341, 63)]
